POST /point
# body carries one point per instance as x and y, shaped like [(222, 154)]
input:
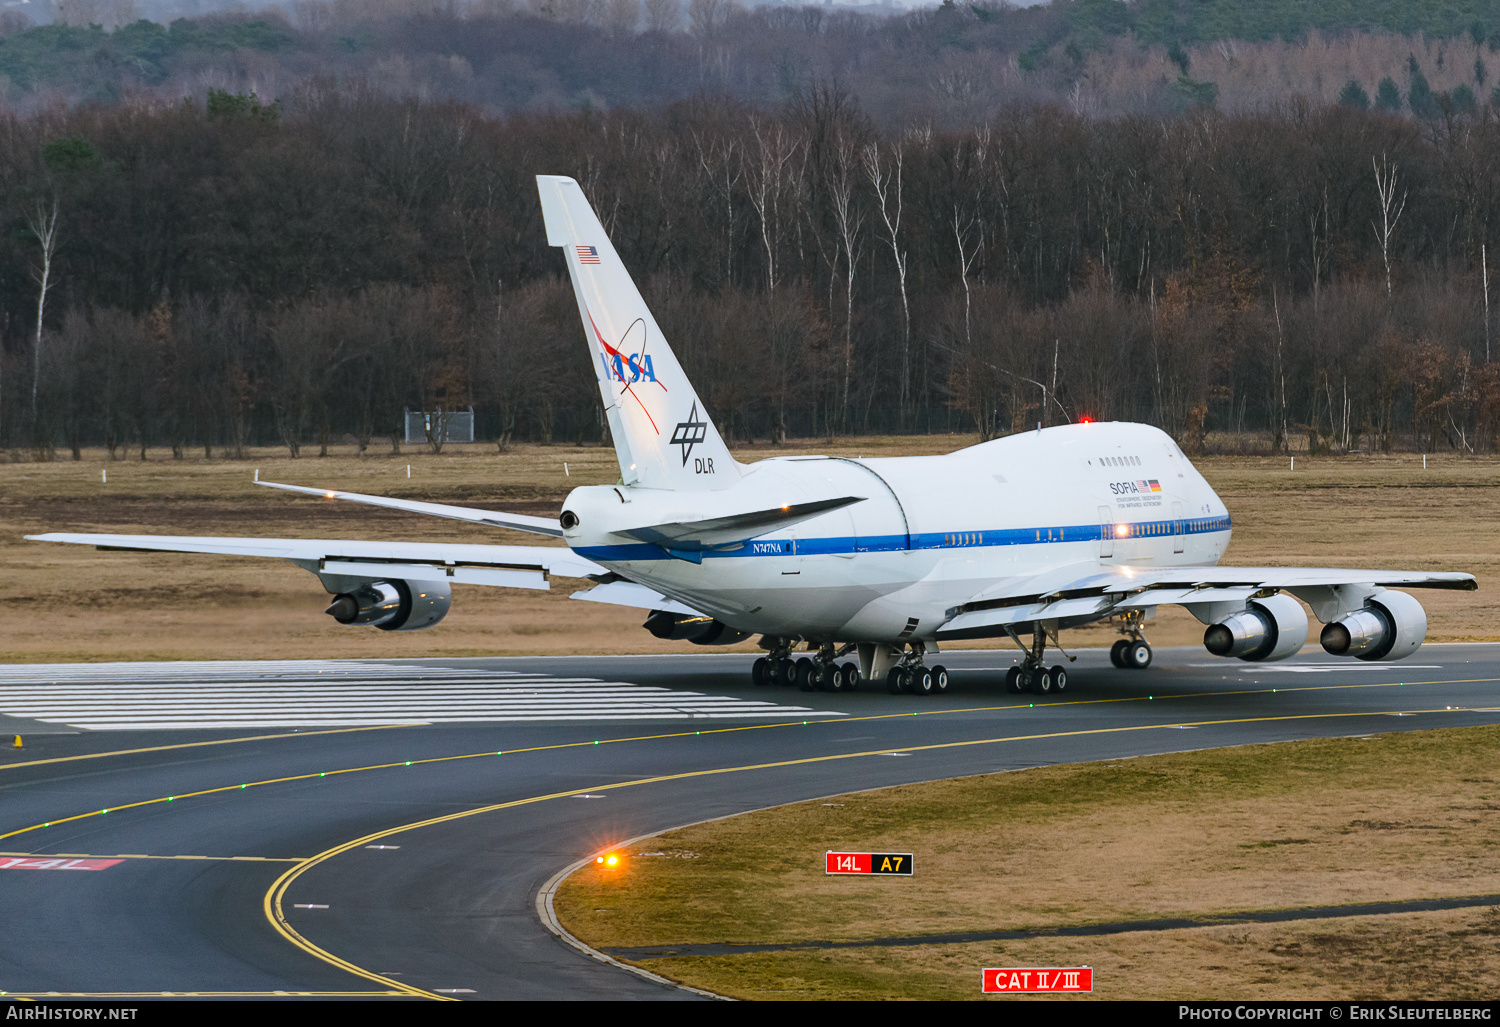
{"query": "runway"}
[(382, 828)]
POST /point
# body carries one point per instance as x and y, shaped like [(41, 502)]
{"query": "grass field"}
[(1190, 835), (65, 603)]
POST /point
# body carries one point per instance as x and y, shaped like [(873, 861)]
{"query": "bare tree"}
[(1484, 263), (848, 222), (663, 15), (772, 180), (622, 16), (717, 158), (1390, 212), (43, 225), (886, 181), (706, 17)]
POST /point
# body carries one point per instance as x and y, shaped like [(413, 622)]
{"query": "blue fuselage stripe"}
[(847, 545)]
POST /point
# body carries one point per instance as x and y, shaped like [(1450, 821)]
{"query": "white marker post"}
[(565, 470)]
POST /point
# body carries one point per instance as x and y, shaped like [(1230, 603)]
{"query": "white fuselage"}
[(931, 533)]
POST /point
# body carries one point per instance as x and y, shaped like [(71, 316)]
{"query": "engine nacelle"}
[(1390, 627), (393, 605), (692, 627), (1272, 628)]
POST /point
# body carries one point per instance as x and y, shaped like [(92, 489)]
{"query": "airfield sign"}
[(869, 863)]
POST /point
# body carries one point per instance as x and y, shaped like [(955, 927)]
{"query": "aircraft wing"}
[(508, 566), (1085, 593), (494, 518)]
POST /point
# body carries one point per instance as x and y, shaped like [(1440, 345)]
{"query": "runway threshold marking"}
[(804, 723), (749, 727), (272, 902)]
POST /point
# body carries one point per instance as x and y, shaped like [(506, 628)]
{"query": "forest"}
[(204, 273)]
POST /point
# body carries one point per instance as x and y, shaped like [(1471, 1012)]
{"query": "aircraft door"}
[(1106, 533), (1179, 527)]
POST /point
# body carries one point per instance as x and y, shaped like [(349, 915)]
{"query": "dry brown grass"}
[(1326, 822), (74, 603)]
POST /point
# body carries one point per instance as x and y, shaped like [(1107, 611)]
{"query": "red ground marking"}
[(55, 863), (1037, 978)]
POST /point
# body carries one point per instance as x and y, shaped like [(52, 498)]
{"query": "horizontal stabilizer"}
[(733, 529), (628, 593), (494, 518)]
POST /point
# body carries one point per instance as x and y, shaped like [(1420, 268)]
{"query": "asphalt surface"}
[(273, 888)]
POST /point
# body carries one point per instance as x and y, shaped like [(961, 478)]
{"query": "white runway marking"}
[(1321, 668), (338, 693)]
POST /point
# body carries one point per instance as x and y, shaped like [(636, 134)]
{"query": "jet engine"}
[(1272, 628), (692, 627), (1390, 627), (393, 605)]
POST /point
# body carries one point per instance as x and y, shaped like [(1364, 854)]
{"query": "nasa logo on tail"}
[(636, 367)]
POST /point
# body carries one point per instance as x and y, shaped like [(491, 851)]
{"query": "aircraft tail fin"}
[(663, 436)]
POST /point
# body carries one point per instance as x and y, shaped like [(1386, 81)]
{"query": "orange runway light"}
[(329, 495), (608, 861)]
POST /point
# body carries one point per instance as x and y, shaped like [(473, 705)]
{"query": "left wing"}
[(508, 566), (494, 518), (1084, 593)]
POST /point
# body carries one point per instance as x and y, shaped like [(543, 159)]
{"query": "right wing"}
[(1086, 592)]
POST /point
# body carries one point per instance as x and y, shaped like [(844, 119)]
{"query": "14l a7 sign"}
[(869, 863)]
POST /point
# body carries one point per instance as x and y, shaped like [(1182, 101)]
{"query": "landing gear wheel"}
[(804, 672), (919, 681), (940, 679), (1015, 682), (1138, 656), (1059, 678), (1041, 681), (1117, 653), (827, 677), (760, 671), (895, 681), (848, 677)]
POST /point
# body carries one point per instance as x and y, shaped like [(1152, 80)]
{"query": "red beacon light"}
[(1085, 420)]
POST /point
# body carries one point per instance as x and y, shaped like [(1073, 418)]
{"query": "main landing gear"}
[(822, 671), (1132, 652), (1033, 675), (819, 673), (910, 676)]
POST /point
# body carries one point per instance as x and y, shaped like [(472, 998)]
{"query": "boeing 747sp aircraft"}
[(883, 558)]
